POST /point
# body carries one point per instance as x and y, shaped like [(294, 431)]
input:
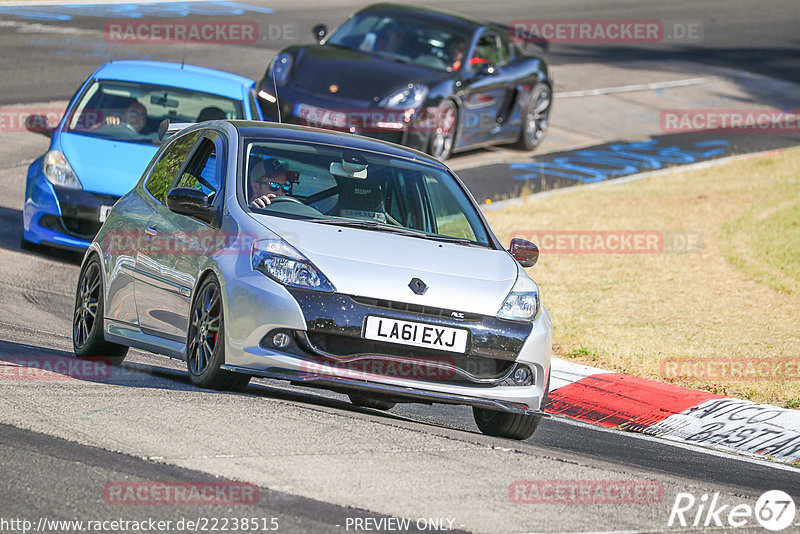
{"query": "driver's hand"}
[(112, 120), (263, 201)]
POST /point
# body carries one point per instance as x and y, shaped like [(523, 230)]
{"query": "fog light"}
[(280, 340), (522, 376)]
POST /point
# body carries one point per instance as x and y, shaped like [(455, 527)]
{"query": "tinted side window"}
[(201, 173), (169, 164)]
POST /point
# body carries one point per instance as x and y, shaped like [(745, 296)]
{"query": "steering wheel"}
[(122, 126), (285, 199)]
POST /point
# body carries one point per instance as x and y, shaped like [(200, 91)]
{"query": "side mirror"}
[(319, 31), (191, 202), (525, 252), (39, 124)]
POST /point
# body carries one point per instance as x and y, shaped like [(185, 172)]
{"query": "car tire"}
[(444, 134), (88, 342), (536, 118), (205, 342), (509, 425), (368, 401)]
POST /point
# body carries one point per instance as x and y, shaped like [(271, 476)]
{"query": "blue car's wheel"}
[(536, 117), (444, 134)]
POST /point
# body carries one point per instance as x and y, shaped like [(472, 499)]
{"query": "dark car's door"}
[(183, 243), (488, 90)]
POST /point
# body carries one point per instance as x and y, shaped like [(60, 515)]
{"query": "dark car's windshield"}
[(404, 38), (132, 111), (334, 185)]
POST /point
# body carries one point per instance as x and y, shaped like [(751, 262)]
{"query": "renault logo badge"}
[(417, 286), (333, 88)]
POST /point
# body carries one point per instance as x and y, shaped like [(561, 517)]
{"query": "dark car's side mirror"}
[(191, 202), (525, 252), (39, 124), (319, 31)]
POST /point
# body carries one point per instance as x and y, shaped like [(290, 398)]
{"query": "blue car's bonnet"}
[(104, 165)]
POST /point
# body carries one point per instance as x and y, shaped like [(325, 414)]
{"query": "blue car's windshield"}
[(335, 185), (132, 111), (404, 38)]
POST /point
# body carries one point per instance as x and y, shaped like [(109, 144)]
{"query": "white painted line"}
[(636, 87)]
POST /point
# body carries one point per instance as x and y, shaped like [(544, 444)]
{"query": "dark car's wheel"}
[(205, 352), (367, 401), (536, 117), (509, 425), (444, 133), (88, 342)]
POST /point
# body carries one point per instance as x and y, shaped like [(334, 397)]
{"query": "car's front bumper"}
[(67, 218), (385, 125), (258, 308)]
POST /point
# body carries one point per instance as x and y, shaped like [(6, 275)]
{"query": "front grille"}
[(418, 308), (402, 361), (83, 228)]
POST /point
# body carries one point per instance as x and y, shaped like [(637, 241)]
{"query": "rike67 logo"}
[(774, 510)]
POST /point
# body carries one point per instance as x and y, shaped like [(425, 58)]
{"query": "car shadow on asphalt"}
[(20, 361), (11, 233)]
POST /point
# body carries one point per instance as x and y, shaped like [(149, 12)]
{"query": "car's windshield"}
[(404, 38), (334, 185), (132, 111)]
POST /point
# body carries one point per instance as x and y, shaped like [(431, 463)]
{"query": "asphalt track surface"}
[(317, 459)]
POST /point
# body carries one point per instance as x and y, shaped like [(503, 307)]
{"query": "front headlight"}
[(410, 97), (58, 171), (280, 67), (286, 265), (523, 303)]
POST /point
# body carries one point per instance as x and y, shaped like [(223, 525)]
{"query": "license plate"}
[(416, 334), (314, 115), (104, 211)]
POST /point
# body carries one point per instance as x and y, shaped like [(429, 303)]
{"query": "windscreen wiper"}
[(370, 225)]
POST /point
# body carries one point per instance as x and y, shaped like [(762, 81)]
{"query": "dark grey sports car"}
[(430, 80)]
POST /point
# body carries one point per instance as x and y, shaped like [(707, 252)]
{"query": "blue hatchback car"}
[(108, 135)]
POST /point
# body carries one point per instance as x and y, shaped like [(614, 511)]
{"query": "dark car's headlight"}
[(280, 68), (58, 171), (410, 97), (286, 265), (522, 303)]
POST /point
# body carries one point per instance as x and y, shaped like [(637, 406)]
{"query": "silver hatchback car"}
[(325, 259)]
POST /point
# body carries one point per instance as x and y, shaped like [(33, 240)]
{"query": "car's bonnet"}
[(381, 265), (103, 165), (319, 68)]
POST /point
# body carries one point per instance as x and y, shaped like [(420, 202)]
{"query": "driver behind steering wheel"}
[(270, 178), (134, 115)]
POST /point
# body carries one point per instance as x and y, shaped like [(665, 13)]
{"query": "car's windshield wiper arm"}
[(398, 230)]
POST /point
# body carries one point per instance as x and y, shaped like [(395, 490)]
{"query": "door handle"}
[(151, 231)]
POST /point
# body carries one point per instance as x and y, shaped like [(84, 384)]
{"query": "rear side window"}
[(171, 161), (201, 173)]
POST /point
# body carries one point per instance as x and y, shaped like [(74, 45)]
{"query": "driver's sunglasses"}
[(275, 186)]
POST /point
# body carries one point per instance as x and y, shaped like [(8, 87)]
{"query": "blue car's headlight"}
[(58, 171), (409, 97), (286, 265), (280, 68), (522, 303)]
